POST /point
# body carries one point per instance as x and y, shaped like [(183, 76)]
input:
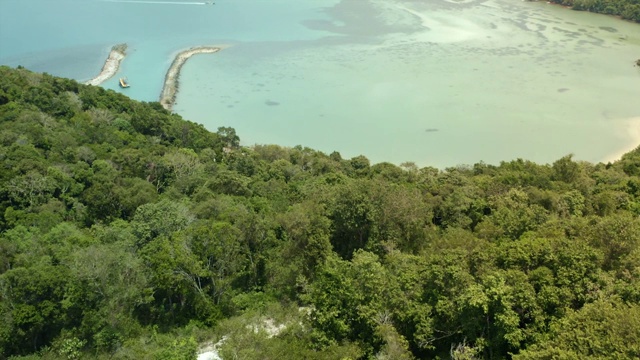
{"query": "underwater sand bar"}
[(170, 88), (111, 65)]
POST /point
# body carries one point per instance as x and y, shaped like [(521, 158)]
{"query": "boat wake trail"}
[(157, 2)]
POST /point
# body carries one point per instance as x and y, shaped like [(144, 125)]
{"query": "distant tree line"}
[(627, 9), (127, 232)]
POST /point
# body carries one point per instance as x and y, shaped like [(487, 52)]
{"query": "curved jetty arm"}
[(170, 88), (111, 66)]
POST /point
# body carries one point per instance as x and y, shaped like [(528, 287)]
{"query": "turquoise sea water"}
[(73, 37), (435, 82)]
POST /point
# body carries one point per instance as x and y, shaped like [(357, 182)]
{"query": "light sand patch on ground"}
[(210, 351)]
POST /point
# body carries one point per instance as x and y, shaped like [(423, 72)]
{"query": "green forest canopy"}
[(127, 232)]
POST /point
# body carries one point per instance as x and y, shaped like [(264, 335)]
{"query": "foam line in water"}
[(157, 2)]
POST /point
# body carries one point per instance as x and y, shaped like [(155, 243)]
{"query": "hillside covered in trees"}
[(127, 232)]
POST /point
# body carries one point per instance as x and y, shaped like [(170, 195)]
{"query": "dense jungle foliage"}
[(626, 9), (127, 232)]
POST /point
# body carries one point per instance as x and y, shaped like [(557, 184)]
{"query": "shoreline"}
[(172, 79), (617, 156), (570, 7), (633, 133), (111, 65)]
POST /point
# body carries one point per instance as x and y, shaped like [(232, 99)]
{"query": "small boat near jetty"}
[(124, 83)]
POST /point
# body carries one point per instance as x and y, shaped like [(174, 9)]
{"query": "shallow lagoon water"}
[(438, 83), (487, 81)]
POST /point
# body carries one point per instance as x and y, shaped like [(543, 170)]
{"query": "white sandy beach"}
[(110, 68), (170, 88), (633, 133)]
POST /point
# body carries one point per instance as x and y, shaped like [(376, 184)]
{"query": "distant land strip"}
[(171, 80), (111, 65)]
